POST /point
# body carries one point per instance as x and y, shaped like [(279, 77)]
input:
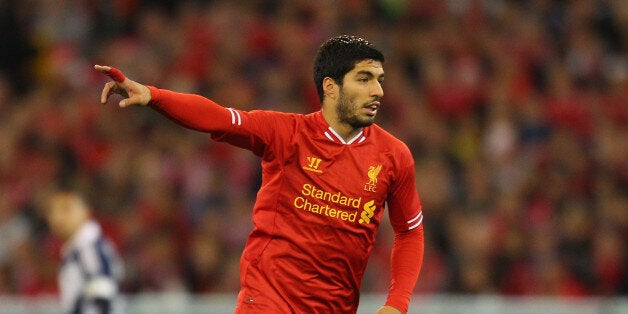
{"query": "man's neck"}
[(344, 130)]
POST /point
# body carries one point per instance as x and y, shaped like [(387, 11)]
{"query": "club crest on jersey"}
[(373, 172), (312, 164)]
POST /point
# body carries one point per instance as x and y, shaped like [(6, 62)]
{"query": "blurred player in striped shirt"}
[(91, 270)]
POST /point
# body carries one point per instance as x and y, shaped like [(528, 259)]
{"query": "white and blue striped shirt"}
[(90, 273)]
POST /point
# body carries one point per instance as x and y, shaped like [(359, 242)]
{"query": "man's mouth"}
[(372, 108)]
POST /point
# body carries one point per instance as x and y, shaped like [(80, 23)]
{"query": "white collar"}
[(330, 131), (342, 140)]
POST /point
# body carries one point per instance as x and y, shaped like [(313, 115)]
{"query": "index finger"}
[(112, 72)]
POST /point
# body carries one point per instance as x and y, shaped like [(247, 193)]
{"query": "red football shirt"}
[(318, 208)]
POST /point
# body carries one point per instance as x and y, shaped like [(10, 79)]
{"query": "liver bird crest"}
[(373, 173)]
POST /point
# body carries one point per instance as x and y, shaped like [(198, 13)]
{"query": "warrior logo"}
[(313, 164), (372, 173)]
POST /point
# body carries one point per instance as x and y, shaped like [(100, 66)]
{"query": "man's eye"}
[(363, 80)]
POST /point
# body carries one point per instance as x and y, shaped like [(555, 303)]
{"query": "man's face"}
[(360, 94)]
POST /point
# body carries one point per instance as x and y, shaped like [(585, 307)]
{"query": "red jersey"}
[(318, 208)]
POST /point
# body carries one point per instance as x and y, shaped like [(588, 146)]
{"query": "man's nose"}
[(377, 90)]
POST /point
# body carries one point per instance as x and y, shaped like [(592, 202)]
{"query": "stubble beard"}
[(347, 112)]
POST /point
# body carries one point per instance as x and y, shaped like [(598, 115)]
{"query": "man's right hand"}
[(133, 92)]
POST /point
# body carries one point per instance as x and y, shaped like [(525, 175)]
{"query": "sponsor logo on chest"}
[(335, 204)]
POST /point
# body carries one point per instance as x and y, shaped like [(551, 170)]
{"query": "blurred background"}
[(516, 113)]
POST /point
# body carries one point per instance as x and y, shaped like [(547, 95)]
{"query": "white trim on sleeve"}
[(236, 118), (414, 223)]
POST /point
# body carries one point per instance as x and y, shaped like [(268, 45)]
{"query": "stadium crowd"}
[(516, 113)]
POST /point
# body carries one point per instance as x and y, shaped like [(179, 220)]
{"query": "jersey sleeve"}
[(192, 111), (406, 216), (404, 206), (256, 130), (405, 265), (253, 130)]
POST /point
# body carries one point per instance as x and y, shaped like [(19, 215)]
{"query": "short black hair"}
[(338, 55)]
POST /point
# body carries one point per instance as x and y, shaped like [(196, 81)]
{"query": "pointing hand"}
[(133, 92)]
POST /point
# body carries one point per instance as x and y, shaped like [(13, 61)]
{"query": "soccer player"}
[(327, 178), (89, 275)]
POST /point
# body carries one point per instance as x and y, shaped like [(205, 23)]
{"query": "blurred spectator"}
[(91, 270), (516, 113)]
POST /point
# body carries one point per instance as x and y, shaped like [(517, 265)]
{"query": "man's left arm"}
[(406, 217), (406, 260)]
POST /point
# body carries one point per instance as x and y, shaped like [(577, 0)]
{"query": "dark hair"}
[(338, 55)]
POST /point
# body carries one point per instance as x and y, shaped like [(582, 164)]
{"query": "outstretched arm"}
[(189, 110)]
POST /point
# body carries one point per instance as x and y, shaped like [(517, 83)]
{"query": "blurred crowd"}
[(516, 113)]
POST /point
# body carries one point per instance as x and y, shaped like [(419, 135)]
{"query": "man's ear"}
[(330, 88)]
